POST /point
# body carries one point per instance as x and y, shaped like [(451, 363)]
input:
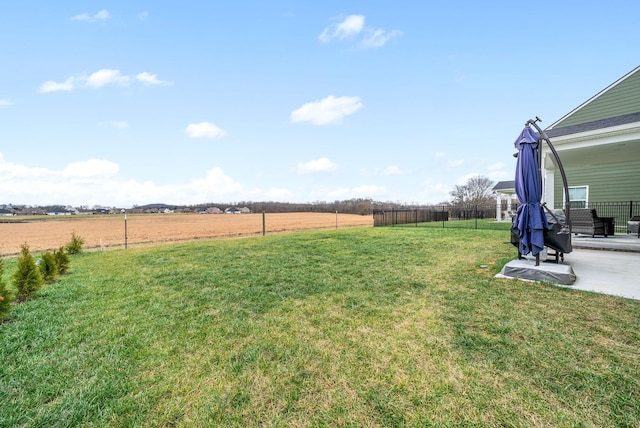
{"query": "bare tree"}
[(477, 191)]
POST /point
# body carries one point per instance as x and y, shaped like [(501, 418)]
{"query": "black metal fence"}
[(620, 211), (475, 217), (484, 216)]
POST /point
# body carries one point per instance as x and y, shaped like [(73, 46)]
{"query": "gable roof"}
[(596, 124), (618, 100), (505, 185)]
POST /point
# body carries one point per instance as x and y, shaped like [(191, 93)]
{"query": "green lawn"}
[(462, 224), (359, 327)]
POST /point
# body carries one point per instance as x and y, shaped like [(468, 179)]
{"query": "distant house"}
[(245, 210), (232, 210), (32, 211), (598, 144), (505, 190), (5, 212), (157, 208), (59, 210)]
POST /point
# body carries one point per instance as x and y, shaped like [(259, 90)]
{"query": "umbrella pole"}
[(560, 167)]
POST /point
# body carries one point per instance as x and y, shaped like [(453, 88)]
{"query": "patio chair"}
[(584, 220), (633, 225)]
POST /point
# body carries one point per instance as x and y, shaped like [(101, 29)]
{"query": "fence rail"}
[(484, 216), (620, 211)]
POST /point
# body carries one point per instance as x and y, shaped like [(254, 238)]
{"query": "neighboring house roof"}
[(505, 185), (157, 206)]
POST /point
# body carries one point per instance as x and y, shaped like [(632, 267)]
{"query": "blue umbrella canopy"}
[(530, 220)]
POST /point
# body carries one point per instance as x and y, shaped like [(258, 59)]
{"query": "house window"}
[(579, 196)]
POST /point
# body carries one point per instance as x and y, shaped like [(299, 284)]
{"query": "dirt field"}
[(109, 231)]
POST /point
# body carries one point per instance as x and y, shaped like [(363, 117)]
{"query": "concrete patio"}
[(605, 265), (620, 242)]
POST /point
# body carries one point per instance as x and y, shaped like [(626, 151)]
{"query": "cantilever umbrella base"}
[(549, 272)]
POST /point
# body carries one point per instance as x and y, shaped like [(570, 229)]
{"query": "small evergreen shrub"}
[(62, 260), (5, 295), (48, 268), (27, 278), (75, 245)]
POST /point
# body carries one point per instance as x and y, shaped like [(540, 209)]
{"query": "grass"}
[(462, 224), (359, 327)]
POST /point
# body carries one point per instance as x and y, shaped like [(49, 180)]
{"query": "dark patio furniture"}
[(585, 220), (557, 237), (633, 225)]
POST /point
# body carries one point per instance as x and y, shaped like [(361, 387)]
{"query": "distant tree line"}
[(360, 206)]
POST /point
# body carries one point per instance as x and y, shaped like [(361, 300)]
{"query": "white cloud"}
[(385, 172), (279, 194), (150, 79), (51, 86), (215, 184), (204, 130), (119, 124), (499, 172), (378, 38), (328, 110), (91, 168), (100, 16), (104, 77), (315, 166), (98, 79), (5, 103), (350, 26), (433, 192), (96, 182), (363, 191), (393, 170), (103, 14)]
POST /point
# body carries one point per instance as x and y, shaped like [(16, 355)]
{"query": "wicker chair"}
[(584, 220)]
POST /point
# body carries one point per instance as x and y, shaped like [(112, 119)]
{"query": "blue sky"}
[(121, 103)]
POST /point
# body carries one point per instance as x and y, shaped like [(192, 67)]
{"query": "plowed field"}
[(109, 231)]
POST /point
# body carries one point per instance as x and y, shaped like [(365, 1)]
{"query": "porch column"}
[(499, 207), (548, 181)]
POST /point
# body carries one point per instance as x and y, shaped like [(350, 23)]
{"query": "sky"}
[(122, 103)]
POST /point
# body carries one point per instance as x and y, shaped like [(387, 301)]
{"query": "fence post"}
[(476, 215), (630, 209), (443, 216), (264, 225)]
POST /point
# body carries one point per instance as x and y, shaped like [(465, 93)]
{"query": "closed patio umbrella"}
[(530, 221)]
